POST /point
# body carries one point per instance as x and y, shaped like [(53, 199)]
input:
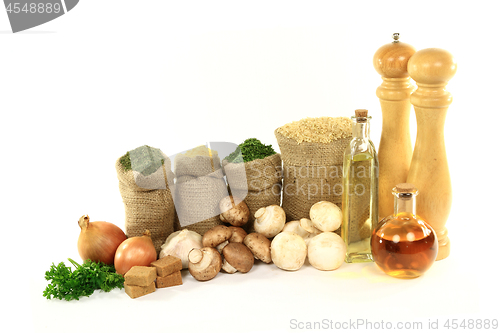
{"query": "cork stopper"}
[(361, 115), (406, 188), (391, 60), (405, 191)]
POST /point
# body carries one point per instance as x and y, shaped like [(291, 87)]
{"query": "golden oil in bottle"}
[(360, 191)]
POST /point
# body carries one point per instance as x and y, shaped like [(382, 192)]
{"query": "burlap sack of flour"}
[(258, 182), (199, 188), (145, 181), (312, 172)]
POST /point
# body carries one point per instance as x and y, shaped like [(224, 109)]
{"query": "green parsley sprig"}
[(83, 281)]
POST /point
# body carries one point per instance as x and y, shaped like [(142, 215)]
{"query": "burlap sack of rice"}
[(312, 151), (258, 182), (147, 198), (199, 187)]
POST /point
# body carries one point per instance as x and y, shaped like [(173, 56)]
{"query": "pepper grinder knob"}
[(391, 59), (432, 66)]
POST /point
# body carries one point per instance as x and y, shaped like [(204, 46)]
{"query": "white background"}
[(109, 76)]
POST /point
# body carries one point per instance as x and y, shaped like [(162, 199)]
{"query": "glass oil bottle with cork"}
[(403, 244), (360, 191)]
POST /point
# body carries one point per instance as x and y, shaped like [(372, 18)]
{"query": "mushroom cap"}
[(288, 251), (326, 216), (238, 234), (205, 263), (216, 236), (234, 211), (259, 245), (238, 256), (326, 251)]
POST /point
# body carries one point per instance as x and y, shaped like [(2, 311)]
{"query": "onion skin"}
[(135, 251), (98, 241)]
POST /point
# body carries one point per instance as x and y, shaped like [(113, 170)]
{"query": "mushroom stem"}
[(260, 213), (308, 226), (228, 268), (195, 256), (221, 246)]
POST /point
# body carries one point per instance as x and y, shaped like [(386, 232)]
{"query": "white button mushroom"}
[(308, 226), (326, 251), (326, 216), (270, 220), (298, 227), (288, 251), (294, 226), (179, 244)]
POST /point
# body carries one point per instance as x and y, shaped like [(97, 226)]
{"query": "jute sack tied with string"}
[(199, 188), (257, 182), (145, 180), (312, 151)]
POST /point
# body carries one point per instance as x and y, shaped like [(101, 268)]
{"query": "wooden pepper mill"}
[(432, 69), (395, 150)]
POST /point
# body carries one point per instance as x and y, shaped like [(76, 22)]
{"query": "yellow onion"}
[(135, 251), (98, 241)]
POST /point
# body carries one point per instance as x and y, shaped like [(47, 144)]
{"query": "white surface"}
[(78, 92)]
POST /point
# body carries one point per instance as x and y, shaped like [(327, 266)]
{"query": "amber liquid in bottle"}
[(404, 245)]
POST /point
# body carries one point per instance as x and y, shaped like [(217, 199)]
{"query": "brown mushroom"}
[(234, 211), (237, 258), (216, 235), (238, 235), (259, 245), (205, 263)]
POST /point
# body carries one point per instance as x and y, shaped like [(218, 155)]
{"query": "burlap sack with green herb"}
[(145, 186), (199, 187), (257, 181), (312, 151)]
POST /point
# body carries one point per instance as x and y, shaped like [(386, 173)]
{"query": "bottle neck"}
[(405, 203), (361, 128)]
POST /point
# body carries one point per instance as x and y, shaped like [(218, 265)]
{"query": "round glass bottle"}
[(403, 244)]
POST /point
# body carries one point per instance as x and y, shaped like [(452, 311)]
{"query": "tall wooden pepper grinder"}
[(395, 148), (432, 69)]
